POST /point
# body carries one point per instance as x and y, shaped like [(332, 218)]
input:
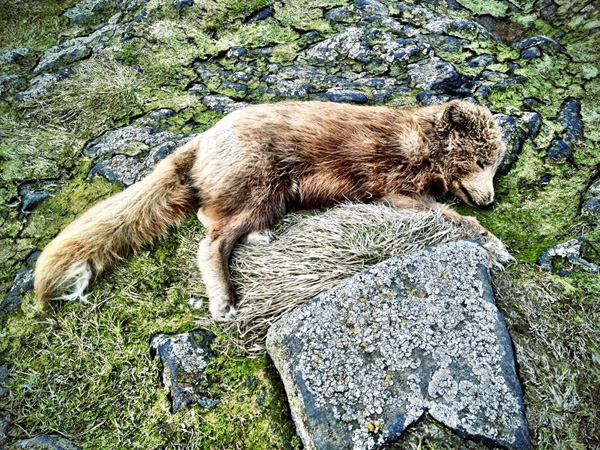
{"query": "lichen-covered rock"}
[(571, 252), (513, 136), (416, 333), (45, 442), (591, 201), (11, 83), (22, 283), (73, 49), (433, 73), (185, 358), (570, 117), (42, 83), (13, 55), (4, 424)]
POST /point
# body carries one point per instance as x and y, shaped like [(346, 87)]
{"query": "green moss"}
[(55, 213), (492, 7), (87, 366), (259, 34), (31, 24)]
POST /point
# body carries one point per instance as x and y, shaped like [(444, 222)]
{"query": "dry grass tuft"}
[(100, 93), (312, 252)]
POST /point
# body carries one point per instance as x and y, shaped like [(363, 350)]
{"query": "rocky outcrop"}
[(417, 333)]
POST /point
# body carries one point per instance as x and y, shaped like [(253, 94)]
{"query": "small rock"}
[(180, 4), (222, 103), (481, 61), (570, 117), (534, 122), (570, 251), (342, 96), (236, 52), (419, 332), (514, 137), (10, 84), (433, 73), (542, 41), (429, 98), (126, 170), (46, 442), (185, 358), (237, 87), (22, 283), (339, 14), (73, 49), (590, 207), (531, 53), (42, 83), (262, 14), (130, 140), (373, 6), (13, 56)]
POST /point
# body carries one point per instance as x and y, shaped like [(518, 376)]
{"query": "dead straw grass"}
[(311, 253)]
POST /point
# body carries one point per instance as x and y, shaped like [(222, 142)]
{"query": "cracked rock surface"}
[(417, 333), (185, 358)]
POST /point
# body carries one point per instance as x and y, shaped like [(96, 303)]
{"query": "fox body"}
[(256, 164)]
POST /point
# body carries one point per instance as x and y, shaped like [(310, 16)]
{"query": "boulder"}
[(417, 333)]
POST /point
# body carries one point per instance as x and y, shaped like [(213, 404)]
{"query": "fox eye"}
[(480, 164)]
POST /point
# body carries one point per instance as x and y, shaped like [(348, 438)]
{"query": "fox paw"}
[(498, 254), (262, 237), (222, 311)]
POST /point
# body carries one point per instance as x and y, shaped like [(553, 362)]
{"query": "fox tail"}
[(116, 226)]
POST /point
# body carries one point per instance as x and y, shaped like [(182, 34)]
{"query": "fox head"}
[(473, 150)]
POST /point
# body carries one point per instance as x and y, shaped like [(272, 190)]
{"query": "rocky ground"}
[(93, 93)]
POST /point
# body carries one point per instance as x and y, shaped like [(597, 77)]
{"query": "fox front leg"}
[(497, 251)]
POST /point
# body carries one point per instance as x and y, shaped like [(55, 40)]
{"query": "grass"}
[(85, 370)]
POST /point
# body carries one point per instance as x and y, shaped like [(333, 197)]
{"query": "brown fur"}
[(260, 162)]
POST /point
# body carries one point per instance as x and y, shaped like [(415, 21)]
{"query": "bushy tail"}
[(115, 227)]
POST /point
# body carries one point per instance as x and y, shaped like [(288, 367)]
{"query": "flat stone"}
[(13, 55), (72, 50), (185, 358), (570, 117), (42, 83), (46, 442), (222, 103), (22, 283), (570, 251), (539, 41), (417, 333), (129, 140), (433, 73), (514, 137), (342, 96), (591, 201), (127, 170)]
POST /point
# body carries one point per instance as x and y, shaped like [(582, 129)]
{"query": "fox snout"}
[(477, 189)]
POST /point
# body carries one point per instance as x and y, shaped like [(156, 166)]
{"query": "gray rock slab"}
[(433, 73), (45, 442), (73, 49), (417, 333), (185, 358)]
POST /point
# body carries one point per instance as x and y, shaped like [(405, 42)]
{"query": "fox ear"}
[(458, 114)]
